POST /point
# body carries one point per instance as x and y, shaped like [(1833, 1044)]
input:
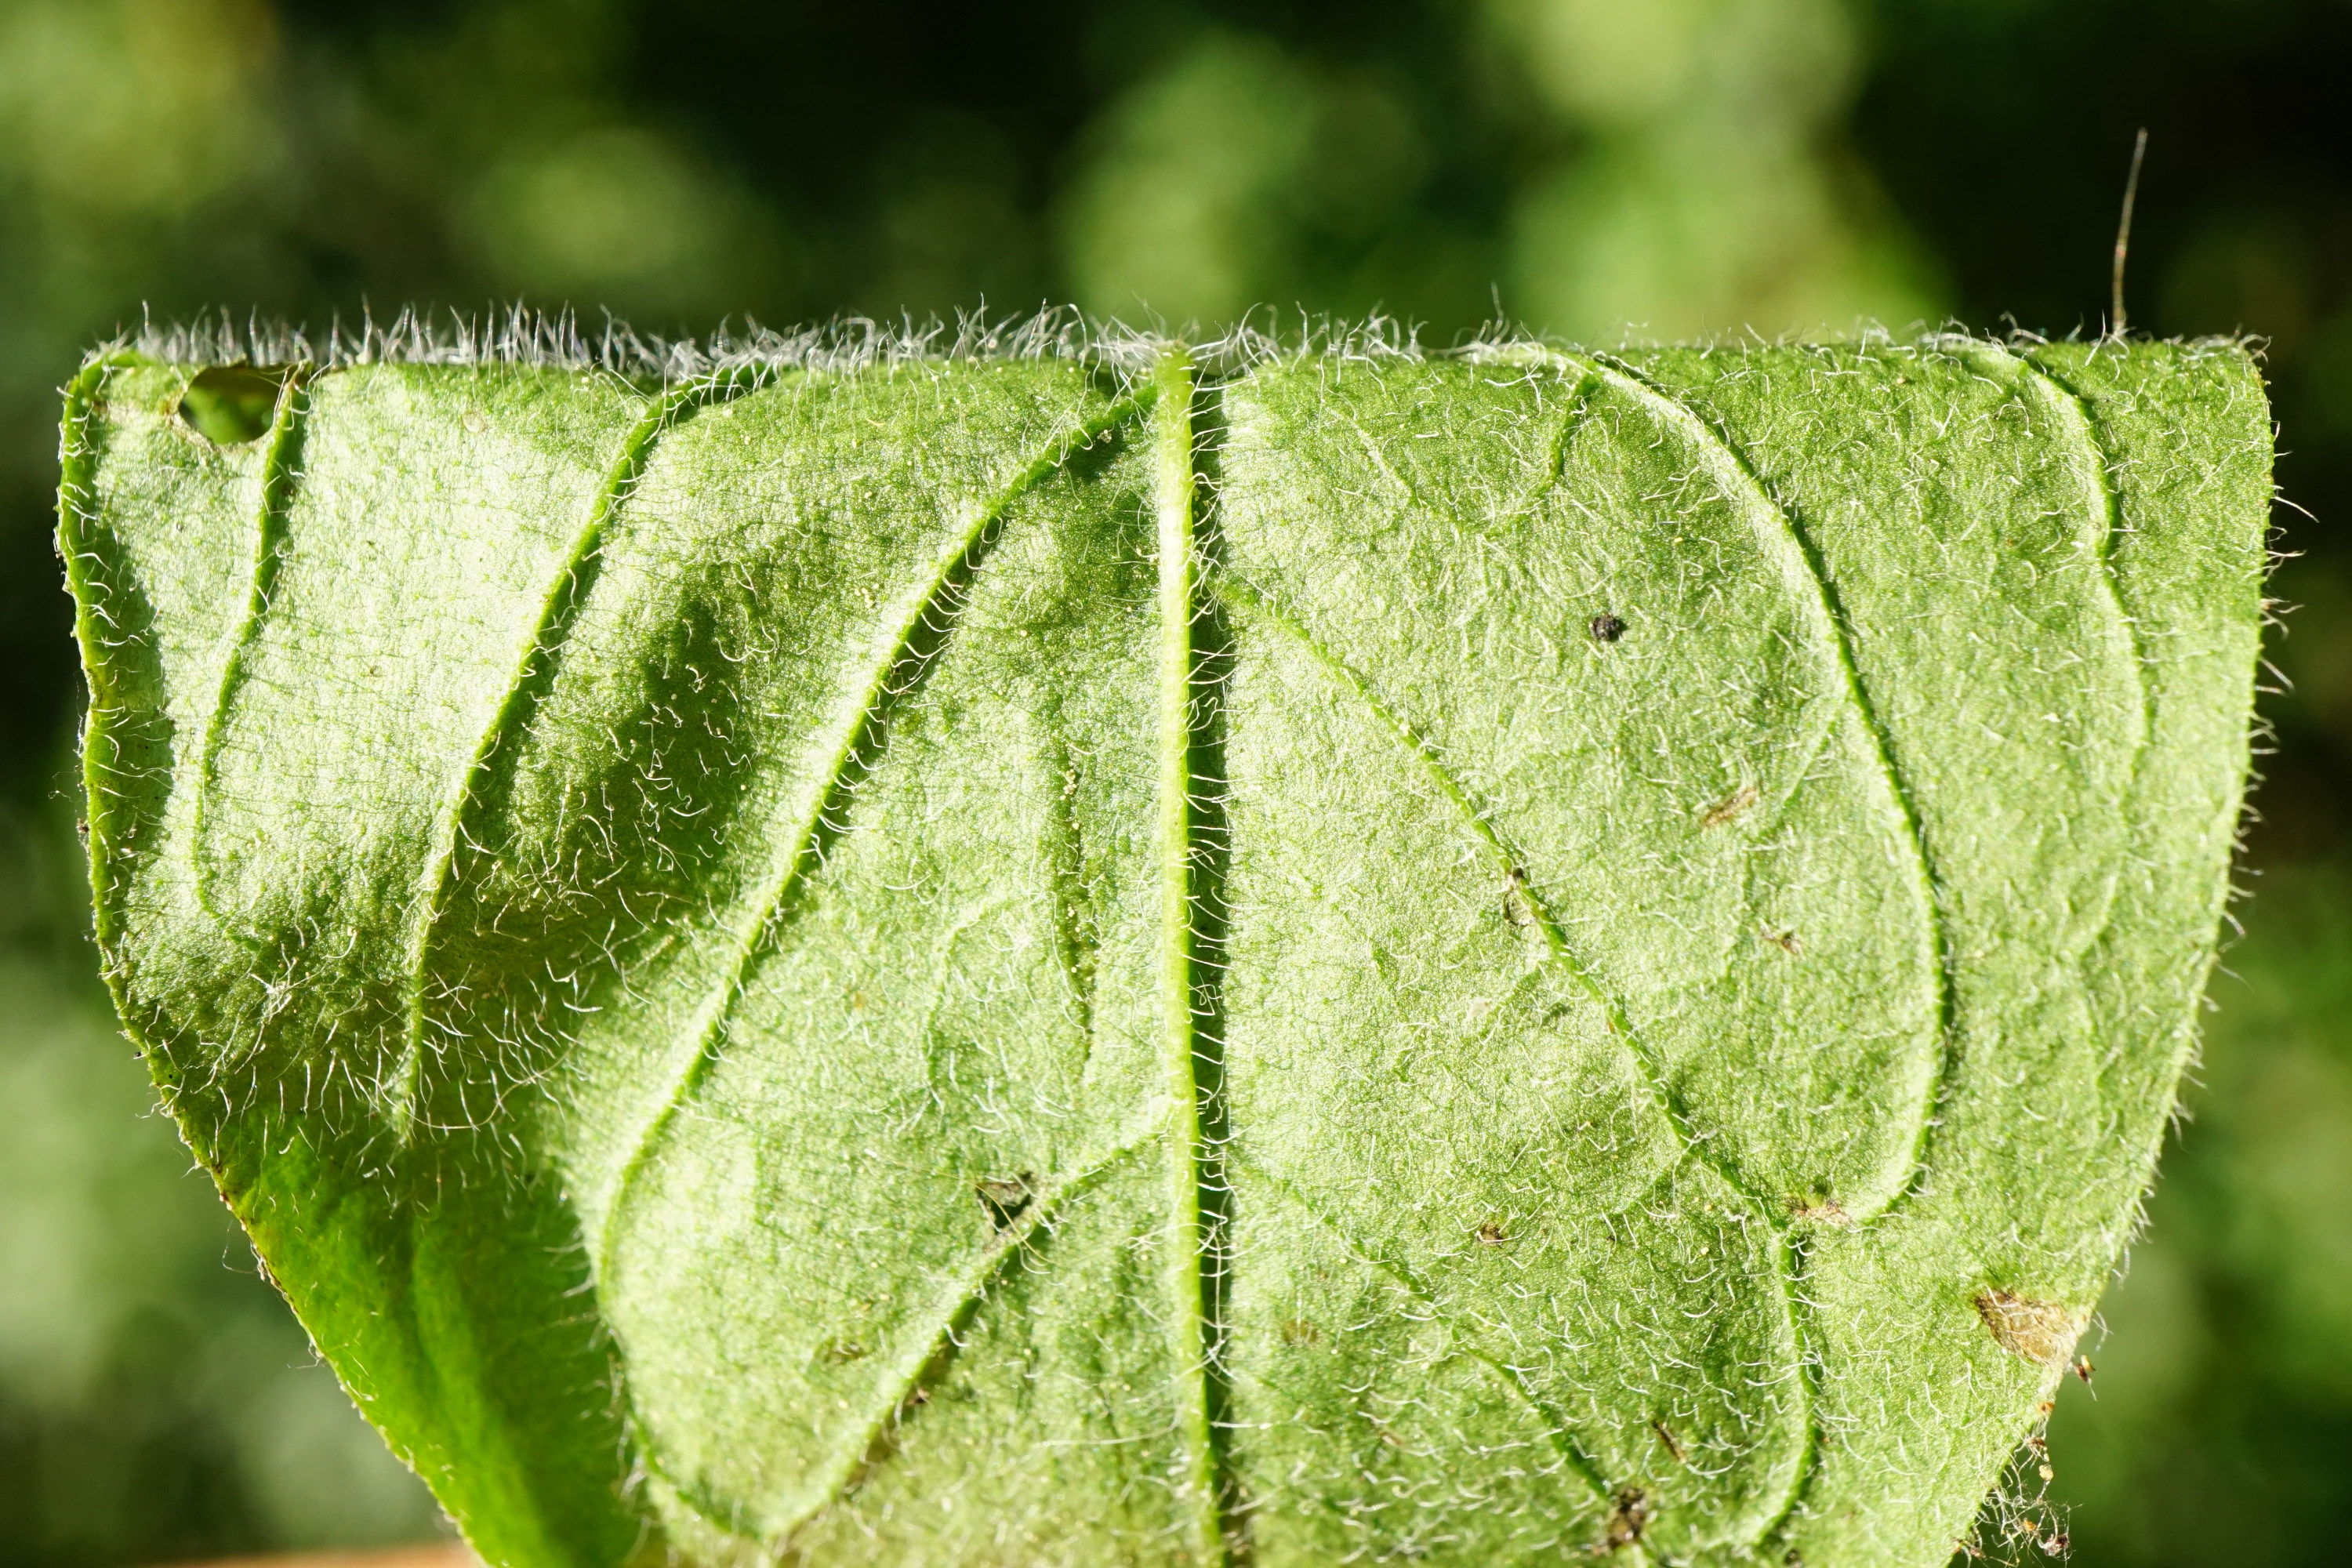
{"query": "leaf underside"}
[(999, 962)]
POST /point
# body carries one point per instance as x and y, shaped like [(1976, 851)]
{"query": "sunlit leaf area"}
[(1598, 170)]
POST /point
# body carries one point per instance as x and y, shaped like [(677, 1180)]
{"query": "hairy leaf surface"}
[(1009, 961)]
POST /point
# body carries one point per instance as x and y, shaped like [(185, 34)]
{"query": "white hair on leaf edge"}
[(520, 335)]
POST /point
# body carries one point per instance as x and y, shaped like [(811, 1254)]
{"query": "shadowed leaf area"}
[(1343, 958)]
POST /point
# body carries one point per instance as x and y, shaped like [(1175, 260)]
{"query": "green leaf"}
[(1009, 961)]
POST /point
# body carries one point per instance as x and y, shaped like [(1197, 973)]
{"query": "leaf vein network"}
[(1735, 473), (566, 595), (281, 481), (1692, 1141), (918, 636)]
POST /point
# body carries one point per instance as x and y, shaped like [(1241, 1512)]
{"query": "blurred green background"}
[(1594, 168)]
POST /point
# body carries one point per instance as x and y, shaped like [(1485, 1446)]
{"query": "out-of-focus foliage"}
[(1673, 166), (156, 1399), (1712, 186)]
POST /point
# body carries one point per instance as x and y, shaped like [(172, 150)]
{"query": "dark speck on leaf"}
[(1628, 1517), (1515, 906), (1607, 627)]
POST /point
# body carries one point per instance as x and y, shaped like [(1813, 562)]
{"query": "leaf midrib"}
[(1189, 974)]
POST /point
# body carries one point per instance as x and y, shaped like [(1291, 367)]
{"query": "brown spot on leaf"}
[(1629, 1515), (1517, 908), (1006, 1197), (2041, 1331), (1730, 807)]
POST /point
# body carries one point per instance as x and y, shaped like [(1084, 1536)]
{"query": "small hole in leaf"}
[(230, 405)]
